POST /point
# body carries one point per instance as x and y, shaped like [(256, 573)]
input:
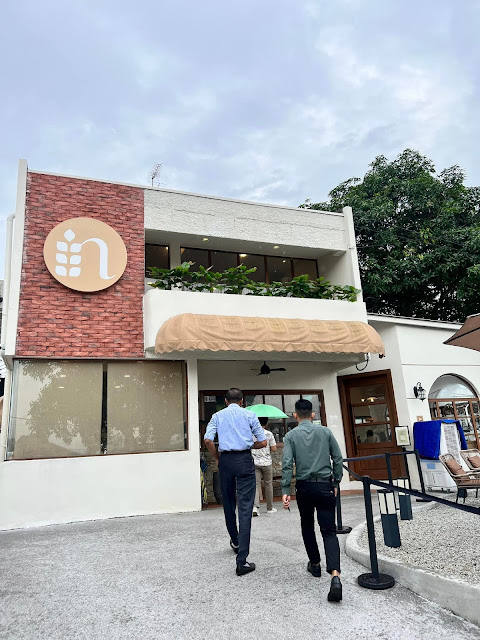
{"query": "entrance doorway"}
[(369, 417), (212, 401)]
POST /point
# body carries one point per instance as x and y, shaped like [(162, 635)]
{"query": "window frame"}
[(258, 255), (102, 454)]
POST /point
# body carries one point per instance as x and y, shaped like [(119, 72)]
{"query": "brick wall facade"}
[(55, 321)]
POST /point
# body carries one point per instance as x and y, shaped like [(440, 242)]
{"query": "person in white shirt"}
[(264, 469)]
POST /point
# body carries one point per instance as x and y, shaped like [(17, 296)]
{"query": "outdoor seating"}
[(463, 479), (472, 458)]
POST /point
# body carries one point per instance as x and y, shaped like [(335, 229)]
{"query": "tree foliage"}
[(418, 237)]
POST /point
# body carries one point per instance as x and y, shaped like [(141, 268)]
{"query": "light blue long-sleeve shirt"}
[(235, 428)]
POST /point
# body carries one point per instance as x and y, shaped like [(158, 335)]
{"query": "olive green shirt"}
[(311, 447)]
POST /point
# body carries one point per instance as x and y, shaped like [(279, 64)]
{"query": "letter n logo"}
[(85, 254)]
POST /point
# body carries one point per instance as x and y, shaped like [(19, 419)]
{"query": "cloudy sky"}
[(270, 100)]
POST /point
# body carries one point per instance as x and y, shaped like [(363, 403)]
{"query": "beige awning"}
[(194, 332)]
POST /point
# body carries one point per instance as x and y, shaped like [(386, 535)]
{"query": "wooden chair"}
[(463, 479), (468, 455)]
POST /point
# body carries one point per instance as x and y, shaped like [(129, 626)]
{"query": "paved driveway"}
[(172, 577)]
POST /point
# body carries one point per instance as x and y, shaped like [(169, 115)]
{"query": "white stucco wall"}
[(222, 218), (159, 306), (40, 492)]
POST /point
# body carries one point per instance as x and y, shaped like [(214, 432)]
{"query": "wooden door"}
[(369, 417)]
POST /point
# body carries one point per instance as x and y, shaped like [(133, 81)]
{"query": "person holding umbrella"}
[(263, 458)]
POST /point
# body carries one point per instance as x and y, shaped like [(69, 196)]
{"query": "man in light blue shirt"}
[(235, 428)]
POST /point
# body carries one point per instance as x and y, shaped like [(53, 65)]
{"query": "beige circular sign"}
[(85, 254)]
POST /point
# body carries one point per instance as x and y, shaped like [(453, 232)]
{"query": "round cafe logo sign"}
[(85, 254)]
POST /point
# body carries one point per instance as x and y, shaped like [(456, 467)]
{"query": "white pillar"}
[(193, 425)]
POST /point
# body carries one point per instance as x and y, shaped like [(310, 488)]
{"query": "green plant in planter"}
[(236, 281)]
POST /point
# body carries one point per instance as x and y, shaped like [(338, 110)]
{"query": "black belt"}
[(324, 480), (236, 451)]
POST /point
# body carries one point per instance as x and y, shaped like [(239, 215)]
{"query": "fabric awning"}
[(195, 332)]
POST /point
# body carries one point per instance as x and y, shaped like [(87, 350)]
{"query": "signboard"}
[(85, 254), (402, 436)]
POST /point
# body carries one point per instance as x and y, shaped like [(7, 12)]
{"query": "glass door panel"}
[(367, 393), (371, 413)]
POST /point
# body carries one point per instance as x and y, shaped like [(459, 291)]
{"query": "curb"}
[(457, 596)]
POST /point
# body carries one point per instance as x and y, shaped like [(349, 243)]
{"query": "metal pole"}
[(405, 461), (422, 483), (373, 580), (340, 527), (389, 467)]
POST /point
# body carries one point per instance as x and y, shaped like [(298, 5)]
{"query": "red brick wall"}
[(55, 321)]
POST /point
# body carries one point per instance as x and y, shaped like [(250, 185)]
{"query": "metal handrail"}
[(375, 579)]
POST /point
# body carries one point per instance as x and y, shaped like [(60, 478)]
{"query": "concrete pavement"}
[(172, 577)]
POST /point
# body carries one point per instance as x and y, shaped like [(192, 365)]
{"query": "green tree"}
[(418, 237)]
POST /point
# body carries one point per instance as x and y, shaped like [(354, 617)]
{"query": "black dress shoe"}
[(248, 567), (235, 548), (315, 569), (335, 593)]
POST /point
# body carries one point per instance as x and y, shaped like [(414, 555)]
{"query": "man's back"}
[(234, 427), (311, 446)]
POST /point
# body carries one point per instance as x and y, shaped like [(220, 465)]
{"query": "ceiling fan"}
[(265, 369)]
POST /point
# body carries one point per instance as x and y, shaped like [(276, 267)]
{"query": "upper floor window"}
[(156, 255), (269, 268)]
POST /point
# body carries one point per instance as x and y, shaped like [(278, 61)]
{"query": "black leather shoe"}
[(235, 549), (335, 593), (248, 567), (315, 570)]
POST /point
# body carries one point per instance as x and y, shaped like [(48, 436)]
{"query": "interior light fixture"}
[(276, 246), (419, 391), (61, 387), (243, 255), (205, 239), (127, 375)]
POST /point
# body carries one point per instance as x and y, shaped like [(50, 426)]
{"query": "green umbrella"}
[(267, 411)]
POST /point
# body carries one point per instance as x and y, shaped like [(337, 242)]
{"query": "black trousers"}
[(319, 496), (237, 478)]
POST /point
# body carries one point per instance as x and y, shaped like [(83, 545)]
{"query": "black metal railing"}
[(375, 579)]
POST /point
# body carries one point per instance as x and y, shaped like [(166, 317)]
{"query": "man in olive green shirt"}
[(312, 448)]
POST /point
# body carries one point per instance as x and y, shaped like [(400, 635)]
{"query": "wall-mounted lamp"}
[(419, 391)]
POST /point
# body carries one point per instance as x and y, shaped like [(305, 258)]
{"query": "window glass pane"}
[(56, 409), (198, 256), (289, 403), (367, 393), (222, 260), (370, 435), (274, 400), (370, 413), (145, 407), (251, 261), (449, 386), (433, 410), (303, 267), (279, 269), (251, 400), (155, 256), (446, 410)]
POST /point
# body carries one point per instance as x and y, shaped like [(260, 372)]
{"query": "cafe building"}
[(110, 382)]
